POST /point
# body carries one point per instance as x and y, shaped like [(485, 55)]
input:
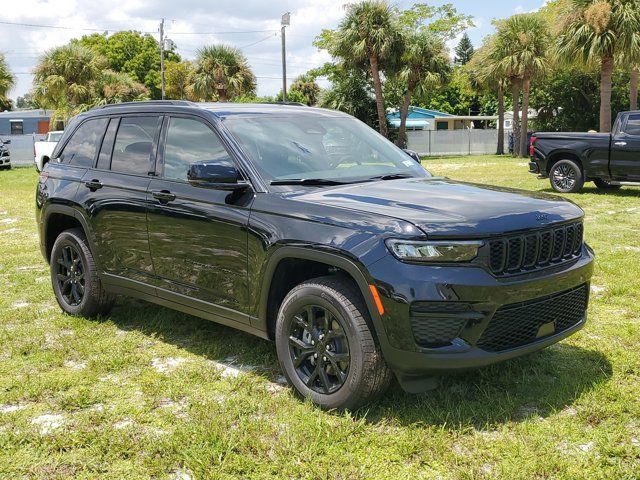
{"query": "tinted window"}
[(82, 147), (189, 141), (633, 125), (16, 127), (134, 142)]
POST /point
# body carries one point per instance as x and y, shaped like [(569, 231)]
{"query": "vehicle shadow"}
[(537, 385), (625, 191)]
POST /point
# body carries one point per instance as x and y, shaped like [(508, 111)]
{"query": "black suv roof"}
[(220, 110)]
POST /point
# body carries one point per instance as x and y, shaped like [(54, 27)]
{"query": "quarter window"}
[(189, 141), (133, 146), (82, 147)]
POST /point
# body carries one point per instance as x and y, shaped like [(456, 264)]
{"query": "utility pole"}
[(162, 55), (284, 22)]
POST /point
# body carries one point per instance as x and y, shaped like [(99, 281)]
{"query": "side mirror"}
[(412, 154), (221, 175)]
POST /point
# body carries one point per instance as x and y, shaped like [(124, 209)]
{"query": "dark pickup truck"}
[(607, 159)]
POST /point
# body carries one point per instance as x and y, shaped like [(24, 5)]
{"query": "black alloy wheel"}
[(70, 275), (319, 349)]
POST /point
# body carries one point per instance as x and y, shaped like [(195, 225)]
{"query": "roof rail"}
[(295, 104), (185, 103)]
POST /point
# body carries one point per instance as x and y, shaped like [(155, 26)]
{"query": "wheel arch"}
[(59, 218), (310, 264), (558, 155)]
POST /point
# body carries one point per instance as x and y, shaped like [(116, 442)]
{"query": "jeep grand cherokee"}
[(306, 227)]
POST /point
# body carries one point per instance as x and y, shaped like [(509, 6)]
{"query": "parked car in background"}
[(571, 159), (307, 227), (42, 149), (5, 154)]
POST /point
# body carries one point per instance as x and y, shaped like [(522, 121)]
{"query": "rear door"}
[(625, 149), (114, 196), (197, 235)]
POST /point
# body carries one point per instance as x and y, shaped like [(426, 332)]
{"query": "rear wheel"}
[(325, 346), (566, 177), (605, 184), (74, 276)]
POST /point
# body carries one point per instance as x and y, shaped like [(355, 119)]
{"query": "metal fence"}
[(21, 148), (454, 142)]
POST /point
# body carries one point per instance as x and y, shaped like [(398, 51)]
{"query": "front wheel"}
[(74, 276), (566, 177), (605, 184), (325, 346)]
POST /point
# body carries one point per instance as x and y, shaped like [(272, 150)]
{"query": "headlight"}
[(437, 251)]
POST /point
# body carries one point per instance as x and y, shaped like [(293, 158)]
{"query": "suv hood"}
[(444, 208)]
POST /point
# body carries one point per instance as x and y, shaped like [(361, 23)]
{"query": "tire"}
[(74, 277), (349, 384), (605, 185), (566, 176)]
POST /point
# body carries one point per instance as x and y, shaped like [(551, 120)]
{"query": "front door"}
[(625, 150), (197, 236)]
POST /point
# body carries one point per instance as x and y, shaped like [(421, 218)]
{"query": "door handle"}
[(620, 144), (93, 185), (163, 196)]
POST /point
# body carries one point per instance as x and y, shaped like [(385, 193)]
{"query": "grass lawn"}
[(148, 392)]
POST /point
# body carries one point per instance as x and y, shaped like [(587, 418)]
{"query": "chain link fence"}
[(434, 143)]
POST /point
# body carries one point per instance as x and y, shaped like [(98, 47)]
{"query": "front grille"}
[(437, 324), (518, 324), (523, 253)]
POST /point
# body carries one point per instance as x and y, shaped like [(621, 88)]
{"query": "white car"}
[(44, 148)]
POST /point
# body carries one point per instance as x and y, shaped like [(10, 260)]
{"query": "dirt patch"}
[(48, 423), (167, 365)]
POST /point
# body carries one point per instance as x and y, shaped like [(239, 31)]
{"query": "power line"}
[(61, 27), (259, 41), (230, 32)]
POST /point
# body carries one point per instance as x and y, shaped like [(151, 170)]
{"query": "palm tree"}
[(425, 62), (221, 73), (65, 78), (7, 80), (487, 76), (592, 32), (369, 36), (522, 42)]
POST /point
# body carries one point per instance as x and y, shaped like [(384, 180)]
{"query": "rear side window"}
[(82, 147), (633, 125), (189, 141), (134, 144)]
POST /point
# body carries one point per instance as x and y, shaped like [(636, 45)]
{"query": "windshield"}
[(319, 147)]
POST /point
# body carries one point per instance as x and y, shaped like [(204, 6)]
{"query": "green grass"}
[(570, 411)]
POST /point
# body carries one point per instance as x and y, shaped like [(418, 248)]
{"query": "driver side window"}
[(189, 141)]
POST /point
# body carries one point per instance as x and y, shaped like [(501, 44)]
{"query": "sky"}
[(251, 25)]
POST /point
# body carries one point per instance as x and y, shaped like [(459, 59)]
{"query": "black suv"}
[(306, 227)]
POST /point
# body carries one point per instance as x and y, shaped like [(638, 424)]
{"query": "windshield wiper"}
[(307, 181), (392, 176)]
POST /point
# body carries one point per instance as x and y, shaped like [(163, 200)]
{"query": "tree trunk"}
[(500, 120), (526, 83), (515, 92), (633, 89), (606, 72), (222, 96), (404, 112), (377, 88)]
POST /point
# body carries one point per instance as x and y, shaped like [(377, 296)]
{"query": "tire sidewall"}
[(316, 295), (69, 239), (579, 181)]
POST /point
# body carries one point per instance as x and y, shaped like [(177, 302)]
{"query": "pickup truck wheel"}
[(566, 177), (605, 184), (325, 347), (74, 276)]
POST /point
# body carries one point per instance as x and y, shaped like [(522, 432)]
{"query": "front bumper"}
[(403, 286)]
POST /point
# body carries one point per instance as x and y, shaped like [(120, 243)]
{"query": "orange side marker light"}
[(376, 299)]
